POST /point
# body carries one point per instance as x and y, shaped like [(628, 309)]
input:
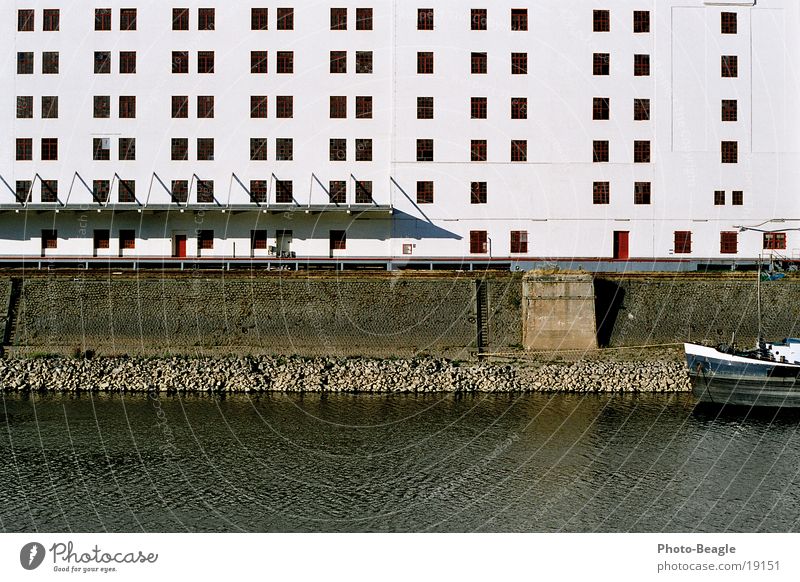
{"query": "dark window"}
[(600, 149), (602, 64), (102, 62), (425, 63), (478, 107), (338, 150), (283, 191), (205, 106), (364, 62), (363, 150), (519, 19), (102, 239), (641, 65), (601, 193), (205, 149), (729, 243), (180, 106), (338, 107), (424, 107), (205, 19), (737, 198), (519, 108), (424, 150), (127, 193), (641, 109), (363, 107), (363, 192), (477, 193), (258, 61), (49, 239), (23, 191), (205, 62), (519, 63), (601, 108), (101, 147), (50, 107), (478, 242), (51, 22), (259, 105), (602, 21), (180, 191), (258, 239), (258, 191), (774, 241), (259, 19), (180, 61), (641, 192), (363, 18), (127, 62), (258, 149), (102, 19), (730, 66), (478, 19), (338, 18), (641, 21), (102, 106), (25, 63), (25, 107), (49, 190), (338, 240), (127, 238), (519, 150), (100, 190), (50, 63), (728, 23), (477, 150), (479, 63), (127, 149), (180, 149), (24, 149), (641, 152), (205, 191), (127, 106), (683, 242), (519, 241), (284, 106), (205, 239), (284, 149), (49, 149), (730, 152), (180, 19), (719, 197), (285, 18), (424, 192), (425, 19), (338, 61), (337, 190), (127, 18), (25, 20), (730, 110), (285, 62)]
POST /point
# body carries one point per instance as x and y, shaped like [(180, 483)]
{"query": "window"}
[(600, 108), (730, 66), (284, 106), (283, 192), (719, 197), (25, 107), (205, 149), (363, 192), (478, 63), (730, 110), (25, 63), (424, 150), (127, 62), (478, 242), (363, 150), (519, 241), (337, 191), (205, 62), (100, 190), (478, 19), (284, 149), (258, 239), (728, 243), (641, 152), (180, 62), (728, 23), (259, 19), (602, 21), (127, 149), (338, 240), (127, 239), (180, 106), (601, 193), (258, 149), (424, 107), (641, 65), (205, 191), (424, 63), (102, 239), (259, 105), (519, 63), (285, 62), (127, 194), (102, 106), (641, 21), (50, 107), (24, 149), (683, 242), (730, 152), (49, 191), (424, 192), (127, 18), (49, 239), (641, 192), (338, 150), (180, 191), (180, 149), (23, 191), (205, 19), (338, 107), (425, 19), (127, 106), (205, 106), (363, 107), (258, 191), (101, 147), (205, 239), (641, 109), (519, 150), (602, 64), (25, 20), (519, 19), (285, 18), (338, 61), (180, 19), (774, 241), (102, 19), (51, 20), (363, 18), (338, 18), (477, 150), (50, 63), (519, 108), (600, 149), (102, 62), (258, 61), (49, 149), (477, 193), (478, 108), (364, 62), (737, 198)]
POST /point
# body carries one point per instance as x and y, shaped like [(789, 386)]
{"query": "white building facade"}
[(615, 134)]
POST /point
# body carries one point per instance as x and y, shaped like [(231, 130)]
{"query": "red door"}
[(621, 245), (180, 245)]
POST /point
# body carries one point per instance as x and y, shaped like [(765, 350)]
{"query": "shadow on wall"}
[(608, 302)]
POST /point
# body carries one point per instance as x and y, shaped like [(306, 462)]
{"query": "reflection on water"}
[(393, 463)]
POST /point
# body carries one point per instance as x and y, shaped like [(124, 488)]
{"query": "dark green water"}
[(393, 463)]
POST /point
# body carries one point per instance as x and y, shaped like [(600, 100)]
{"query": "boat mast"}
[(758, 303)]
